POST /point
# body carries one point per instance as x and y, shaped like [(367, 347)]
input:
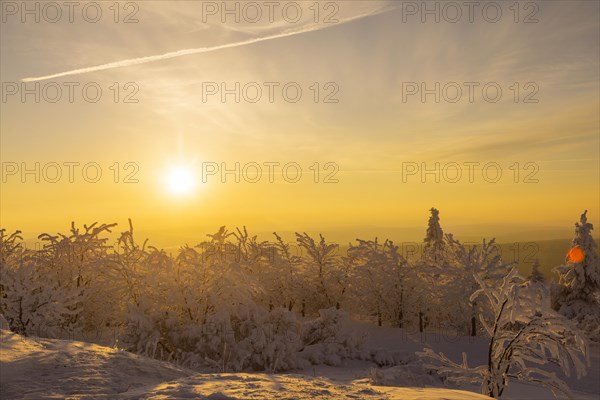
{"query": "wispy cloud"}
[(199, 50)]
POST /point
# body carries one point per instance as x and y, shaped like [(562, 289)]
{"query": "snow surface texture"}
[(51, 368)]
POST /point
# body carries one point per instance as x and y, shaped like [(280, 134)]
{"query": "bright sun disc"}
[(180, 180)]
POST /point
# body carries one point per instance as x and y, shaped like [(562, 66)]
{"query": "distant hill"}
[(550, 253)]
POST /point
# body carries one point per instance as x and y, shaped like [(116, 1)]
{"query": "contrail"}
[(185, 52)]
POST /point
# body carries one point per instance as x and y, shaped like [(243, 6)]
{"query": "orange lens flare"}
[(575, 255)]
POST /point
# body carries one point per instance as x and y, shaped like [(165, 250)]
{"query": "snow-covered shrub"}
[(235, 337), (329, 339), (585, 315), (32, 298), (523, 332), (34, 303), (324, 280), (256, 339), (380, 281), (470, 265), (199, 308), (79, 261), (229, 340), (161, 311), (282, 278), (413, 374), (274, 343), (385, 358)]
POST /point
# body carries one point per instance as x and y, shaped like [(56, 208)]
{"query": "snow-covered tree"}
[(579, 294), (380, 280), (181, 296), (252, 256), (32, 298), (128, 268), (434, 246), (536, 275), (324, 278), (285, 285), (582, 279), (482, 261), (523, 332), (434, 275)]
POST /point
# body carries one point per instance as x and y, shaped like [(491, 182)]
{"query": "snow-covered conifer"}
[(578, 296), (536, 275), (434, 245)]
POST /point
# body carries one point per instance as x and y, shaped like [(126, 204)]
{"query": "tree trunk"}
[(473, 320)]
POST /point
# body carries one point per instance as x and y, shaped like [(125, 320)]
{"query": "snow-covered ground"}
[(50, 368)]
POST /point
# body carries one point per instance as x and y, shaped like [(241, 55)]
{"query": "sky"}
[(167, 122)]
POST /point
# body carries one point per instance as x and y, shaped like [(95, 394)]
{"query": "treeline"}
[(231, 288)]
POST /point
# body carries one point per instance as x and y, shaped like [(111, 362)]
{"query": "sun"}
[(180, 180)]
